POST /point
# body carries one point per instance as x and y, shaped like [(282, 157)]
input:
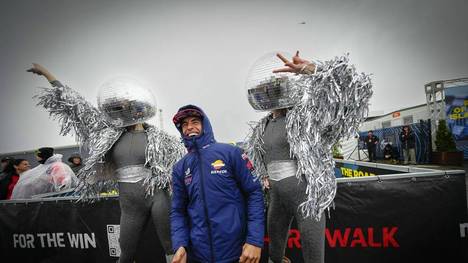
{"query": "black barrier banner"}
[(420, 219), (66, 231), (410, 219)]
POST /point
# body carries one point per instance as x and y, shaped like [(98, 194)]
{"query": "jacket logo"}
[(218, 164), (188, 177), (248, 164)]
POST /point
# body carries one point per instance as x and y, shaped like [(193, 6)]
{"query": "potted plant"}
[(336, 151), (446, 151)]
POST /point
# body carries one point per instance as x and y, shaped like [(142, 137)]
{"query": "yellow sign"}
[(459, 112), (348, 172)]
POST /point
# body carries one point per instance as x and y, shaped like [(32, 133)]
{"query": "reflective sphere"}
[(266, 90), (126, 102)]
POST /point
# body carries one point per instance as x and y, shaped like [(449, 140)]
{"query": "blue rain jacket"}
[(217, 205)]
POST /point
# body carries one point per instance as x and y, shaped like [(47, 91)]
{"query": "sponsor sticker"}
[(218, 164), (188, 177), (249, 164), (113, 233)]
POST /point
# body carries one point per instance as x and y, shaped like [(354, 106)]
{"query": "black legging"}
[(284, 199), (136, 209)]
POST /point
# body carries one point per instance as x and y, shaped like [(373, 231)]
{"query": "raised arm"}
[(42, 71), (68, 106), (332, 96), (332, 100)]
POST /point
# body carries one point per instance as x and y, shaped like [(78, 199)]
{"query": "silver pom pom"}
[(331, 105)]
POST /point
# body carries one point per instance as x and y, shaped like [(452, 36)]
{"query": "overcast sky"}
[(200, 52)]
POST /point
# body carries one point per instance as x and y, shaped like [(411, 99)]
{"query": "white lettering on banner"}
[(41, 237), (61, 240), (113, 234), (23, 241), (90, 241), (49, 240), (82, 240), (464, 230), (74, 240), (52, 239)]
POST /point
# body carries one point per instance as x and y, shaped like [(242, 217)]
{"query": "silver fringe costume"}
[(330, 105), (96, 137)]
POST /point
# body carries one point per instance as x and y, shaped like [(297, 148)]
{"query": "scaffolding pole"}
[(435, 105), (161, 120), (435, 99)]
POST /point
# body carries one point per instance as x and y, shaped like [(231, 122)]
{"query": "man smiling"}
[(217, 210)]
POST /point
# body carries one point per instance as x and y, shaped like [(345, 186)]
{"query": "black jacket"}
[(371, 141), (408, 140), (5, 179)]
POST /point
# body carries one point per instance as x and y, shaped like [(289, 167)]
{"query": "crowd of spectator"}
[(52, 175), (19, 181), (391, 154)]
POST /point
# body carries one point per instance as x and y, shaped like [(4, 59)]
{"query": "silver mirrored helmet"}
[(125, 102), (266, 90)]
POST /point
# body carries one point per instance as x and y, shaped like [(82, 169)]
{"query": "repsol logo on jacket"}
[(218, 167)]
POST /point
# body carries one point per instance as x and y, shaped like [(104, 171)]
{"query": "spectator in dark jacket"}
[(5, 161), (408, 143), (371, 142), (217, 210), (12, 173), (389, 152), (75, 162)]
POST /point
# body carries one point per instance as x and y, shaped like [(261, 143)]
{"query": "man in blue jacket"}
[(217, 210)]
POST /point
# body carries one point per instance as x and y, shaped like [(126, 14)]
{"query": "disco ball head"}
[(267, 91), (125, 102)]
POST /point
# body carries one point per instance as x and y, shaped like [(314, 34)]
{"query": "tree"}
[(444, 140)]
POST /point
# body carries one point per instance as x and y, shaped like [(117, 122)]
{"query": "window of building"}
[(408, 120), (386, 124)]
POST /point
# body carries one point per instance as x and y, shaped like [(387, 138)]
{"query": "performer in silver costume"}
[(120, 147), (312, 106)]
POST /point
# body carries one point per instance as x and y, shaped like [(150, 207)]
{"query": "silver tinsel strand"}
[(253, 146), (331, 104), (97, 137), (72, 111), (162, 152)]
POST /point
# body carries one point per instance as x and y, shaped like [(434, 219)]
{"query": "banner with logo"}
[(456, 102), (64, 231), (345, 169), (423, 219)]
